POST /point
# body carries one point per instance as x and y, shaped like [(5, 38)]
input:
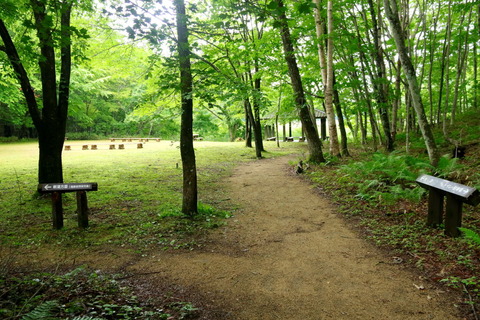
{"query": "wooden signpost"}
[(56, 189), (456, 195)]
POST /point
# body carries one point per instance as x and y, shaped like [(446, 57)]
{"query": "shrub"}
[(391, 177)]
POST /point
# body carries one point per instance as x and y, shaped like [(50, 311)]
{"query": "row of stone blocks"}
[(139, 139), (95, 146)]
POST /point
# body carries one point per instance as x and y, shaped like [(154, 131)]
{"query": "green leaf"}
[(45, 311)]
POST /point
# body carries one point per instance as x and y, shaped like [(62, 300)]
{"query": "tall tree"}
[(325, 56), (189, 205), (332, 126), (51, 23), (380, 80), (391, 11), (314, 143)]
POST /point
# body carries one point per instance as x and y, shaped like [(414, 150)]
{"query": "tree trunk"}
[(363, 128), (256, 109), (314, 143), (248, 126), (391, 11), (462, 53), (475, 73), (407, 123), (445, 59), (320, 32), (373, 127), (380, 78), (397, 101), (341, 120), (189, 204), (279, 105), (476, 83), (257, 132), (326, 67)]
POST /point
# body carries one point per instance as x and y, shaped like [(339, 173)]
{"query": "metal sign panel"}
[(67, 187), (468, 194)]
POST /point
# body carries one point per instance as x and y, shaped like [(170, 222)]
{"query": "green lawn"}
[(139, 193)]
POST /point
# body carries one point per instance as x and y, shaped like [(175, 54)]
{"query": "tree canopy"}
[(124, 79)]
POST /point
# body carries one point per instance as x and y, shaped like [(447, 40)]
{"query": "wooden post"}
[(82, 209), (453, 216), (57, 210), (56, 189), (435, 208), (323, 128)]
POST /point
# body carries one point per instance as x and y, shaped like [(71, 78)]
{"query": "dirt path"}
[(287, 255)]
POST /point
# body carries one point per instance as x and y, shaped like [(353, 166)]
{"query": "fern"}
[(386, 178), (44, 311), (446, 166), (86, 318), (471, 236)]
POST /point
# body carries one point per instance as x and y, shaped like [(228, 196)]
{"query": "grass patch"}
[(138, 199), (137, 206)]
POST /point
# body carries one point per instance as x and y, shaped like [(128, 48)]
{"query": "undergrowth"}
[(80, 294), (379, 194), (390, 177)]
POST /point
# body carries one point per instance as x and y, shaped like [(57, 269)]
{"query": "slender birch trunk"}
[(391, 11)]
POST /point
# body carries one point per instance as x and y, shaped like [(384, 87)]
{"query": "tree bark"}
[(256, 109), (462, 53), (341, 121), (326, 67), (380, 78), (314, 143), (445, 59), (332, 125), (391, 11), (397, 101), (320, 32), (248, 126), (189, 204), (257, 132), (475, 74)]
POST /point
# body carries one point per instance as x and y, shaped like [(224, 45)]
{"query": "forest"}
[(375, 92), (124, 80)]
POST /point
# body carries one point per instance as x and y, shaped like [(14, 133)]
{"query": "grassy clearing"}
[(138, 199), (137, 206)]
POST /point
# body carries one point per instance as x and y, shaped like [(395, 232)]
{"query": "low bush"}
[(78, 294)]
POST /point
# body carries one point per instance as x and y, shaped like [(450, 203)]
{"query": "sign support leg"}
[(82, 209), (453, 216), (57, 210), (435, 208)]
